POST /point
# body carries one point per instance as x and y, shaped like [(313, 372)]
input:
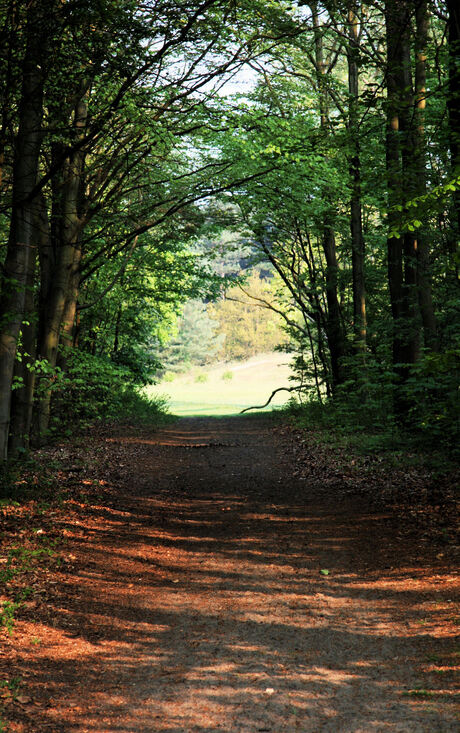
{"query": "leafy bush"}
[(140, 364), (94, 388), (366, 405), (433, 392)]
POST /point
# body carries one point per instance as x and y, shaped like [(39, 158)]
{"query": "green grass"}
[(215, 393)]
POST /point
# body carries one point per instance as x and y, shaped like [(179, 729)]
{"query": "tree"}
[(196, 341), (245, 320), (115, 136), (19, 261), (105, 131), (359, 159)]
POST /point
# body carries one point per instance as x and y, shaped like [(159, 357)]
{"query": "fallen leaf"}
[(23, 699)]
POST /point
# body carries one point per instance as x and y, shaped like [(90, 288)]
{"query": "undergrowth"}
[(352, 427), (94, 390)]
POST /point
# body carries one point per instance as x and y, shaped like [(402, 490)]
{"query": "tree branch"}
[(275, 391)]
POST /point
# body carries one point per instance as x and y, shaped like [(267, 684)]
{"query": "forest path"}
[(196, 600)]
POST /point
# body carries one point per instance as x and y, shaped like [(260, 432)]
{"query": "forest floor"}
[(227, 575)]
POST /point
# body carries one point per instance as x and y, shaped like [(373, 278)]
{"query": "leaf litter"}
[(177, 589)]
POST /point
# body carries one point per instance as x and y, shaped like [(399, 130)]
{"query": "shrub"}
[(94, 388), (432, 390)]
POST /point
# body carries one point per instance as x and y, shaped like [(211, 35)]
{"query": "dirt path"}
[(195, 601)]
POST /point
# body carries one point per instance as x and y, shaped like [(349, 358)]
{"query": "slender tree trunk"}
[(70, 310), (394, 243), (402, 249), (356, 223), (22, 398), (334, 327), (320, 66), (9, 41), (411, 324), (116, 339), (21, 241), (425, 298), (453, 25)]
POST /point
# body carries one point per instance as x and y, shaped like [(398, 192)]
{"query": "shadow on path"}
[(198, 602)]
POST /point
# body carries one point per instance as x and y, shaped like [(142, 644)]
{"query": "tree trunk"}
[(22, 397), (356, 224), (402, 248), (67, 256), (453, 103), (410, 325), (394, 243), (70, 310), (9, 41), (334, 329), (21, 240), (425, 298), (320, 66)]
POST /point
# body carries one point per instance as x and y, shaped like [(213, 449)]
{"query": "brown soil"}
[(205, 586)]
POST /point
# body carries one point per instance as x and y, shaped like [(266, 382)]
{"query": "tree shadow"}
[(201, 606)]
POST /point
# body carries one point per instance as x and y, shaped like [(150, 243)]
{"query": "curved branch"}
[(260, 407)]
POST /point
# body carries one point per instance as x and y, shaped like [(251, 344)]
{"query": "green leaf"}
[(324, 572)]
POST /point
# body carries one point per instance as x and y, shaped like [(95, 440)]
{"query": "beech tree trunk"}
[(67, 255), (356, 223), (410, 325), (21, 235), (334, 326), (22, 397), (401, 178), (425, 298), (394, 183), (453, 25), (70, 310)]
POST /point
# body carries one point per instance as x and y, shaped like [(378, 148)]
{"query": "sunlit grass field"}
[(226, 389)]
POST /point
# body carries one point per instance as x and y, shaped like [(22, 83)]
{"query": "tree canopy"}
[(127, 137)]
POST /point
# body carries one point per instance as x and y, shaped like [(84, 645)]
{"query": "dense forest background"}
[(168, 159)]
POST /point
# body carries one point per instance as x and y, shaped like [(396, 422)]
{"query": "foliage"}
[(97, 389), (196, 341), (335, 179), (248, 326), (433, 391), (329, 152), (111, 109), (363, 407)]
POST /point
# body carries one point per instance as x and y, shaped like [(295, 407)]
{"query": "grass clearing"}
[(212, 391)]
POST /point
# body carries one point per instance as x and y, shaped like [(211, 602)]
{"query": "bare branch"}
[(275, 391)]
